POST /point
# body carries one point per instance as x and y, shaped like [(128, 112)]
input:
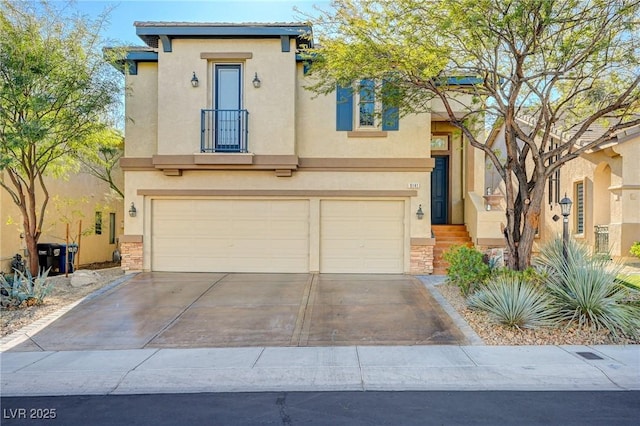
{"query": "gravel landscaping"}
[(495, 334)]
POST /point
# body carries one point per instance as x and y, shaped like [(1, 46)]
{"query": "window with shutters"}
[(579, 207), (359, 109)]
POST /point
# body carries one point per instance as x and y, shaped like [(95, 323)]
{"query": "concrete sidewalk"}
[(355, 368)]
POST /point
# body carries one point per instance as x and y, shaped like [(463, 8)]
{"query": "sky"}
[(125, 12)]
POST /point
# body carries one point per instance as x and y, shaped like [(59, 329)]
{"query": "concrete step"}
[(446, 237)]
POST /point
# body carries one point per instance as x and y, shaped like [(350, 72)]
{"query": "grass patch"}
[(630, 280)]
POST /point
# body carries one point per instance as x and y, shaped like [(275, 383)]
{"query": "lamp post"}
[(565, 208)]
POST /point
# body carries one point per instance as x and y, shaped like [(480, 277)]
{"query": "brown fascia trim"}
[(305, 193), (130, 238), (210, 162), (276, 162), (368, 164), (226, 55), (423, 241), (136, 163)]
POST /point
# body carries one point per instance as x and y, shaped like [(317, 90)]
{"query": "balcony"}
[(224, 130)]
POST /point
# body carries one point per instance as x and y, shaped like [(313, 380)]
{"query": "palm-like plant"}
[(513, 301), (585, 289)]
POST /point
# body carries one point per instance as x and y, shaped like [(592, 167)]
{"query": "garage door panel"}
[(230, 235), (363, 236)]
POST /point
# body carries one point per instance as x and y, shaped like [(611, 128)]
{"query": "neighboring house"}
[(604, 186), (232, 166), (81, 197)]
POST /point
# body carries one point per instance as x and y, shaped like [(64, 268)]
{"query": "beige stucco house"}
[(82, 201), (233, 166), (604, 187)]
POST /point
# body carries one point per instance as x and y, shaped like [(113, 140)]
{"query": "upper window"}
[(365, 111), (366, 104)]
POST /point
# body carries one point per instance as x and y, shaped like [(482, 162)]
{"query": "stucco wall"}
[(270, 107), (71, 201), (316, 134), (141, 111)]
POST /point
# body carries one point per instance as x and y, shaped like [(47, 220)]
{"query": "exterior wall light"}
[(132, 210), (420, 213), (565, 207), (194, 80), (256, 81)]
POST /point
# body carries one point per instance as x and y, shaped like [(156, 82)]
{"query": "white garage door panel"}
[(230, 235), (362, 236)]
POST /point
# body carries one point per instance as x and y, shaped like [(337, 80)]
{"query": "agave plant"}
[(585, 289), (513, 301), (24, 288)]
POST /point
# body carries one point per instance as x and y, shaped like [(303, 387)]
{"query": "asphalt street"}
[(329, 408)]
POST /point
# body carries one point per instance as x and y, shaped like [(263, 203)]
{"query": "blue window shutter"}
[(390, 114), (344, 108)]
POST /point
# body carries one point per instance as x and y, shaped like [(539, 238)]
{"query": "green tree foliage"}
[(104, 161), (56, 91), (542, 68)]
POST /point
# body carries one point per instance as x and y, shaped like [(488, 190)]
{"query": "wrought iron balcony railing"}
[(224, 130)]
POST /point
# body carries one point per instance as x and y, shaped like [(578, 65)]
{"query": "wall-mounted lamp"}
[(420, 213), (132, 210), (194, 80), (256, 81)]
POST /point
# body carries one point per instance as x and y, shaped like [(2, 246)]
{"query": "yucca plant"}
[(511, 300), (585, 289)]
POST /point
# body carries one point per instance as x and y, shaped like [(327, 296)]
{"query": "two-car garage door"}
[(207, 235)]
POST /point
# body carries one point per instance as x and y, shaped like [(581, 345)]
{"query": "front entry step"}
[(446, 237)]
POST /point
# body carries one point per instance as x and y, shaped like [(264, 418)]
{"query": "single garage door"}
[(230, 235), (361, 236)]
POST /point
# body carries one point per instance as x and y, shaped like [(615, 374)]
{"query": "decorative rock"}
[(84, 277)]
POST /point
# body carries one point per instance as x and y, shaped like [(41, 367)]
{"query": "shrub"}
[(585, 289), (515, 302), (466, 268), (24, 288), (635, 249), (531, 275)]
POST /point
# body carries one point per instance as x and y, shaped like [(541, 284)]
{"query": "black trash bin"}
[(67, 255), (45, 256), (56, 249)]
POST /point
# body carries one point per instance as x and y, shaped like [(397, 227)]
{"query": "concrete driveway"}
[(190, 310)]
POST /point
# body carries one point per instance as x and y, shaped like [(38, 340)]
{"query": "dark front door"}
[(440, 191), (228, 116)]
